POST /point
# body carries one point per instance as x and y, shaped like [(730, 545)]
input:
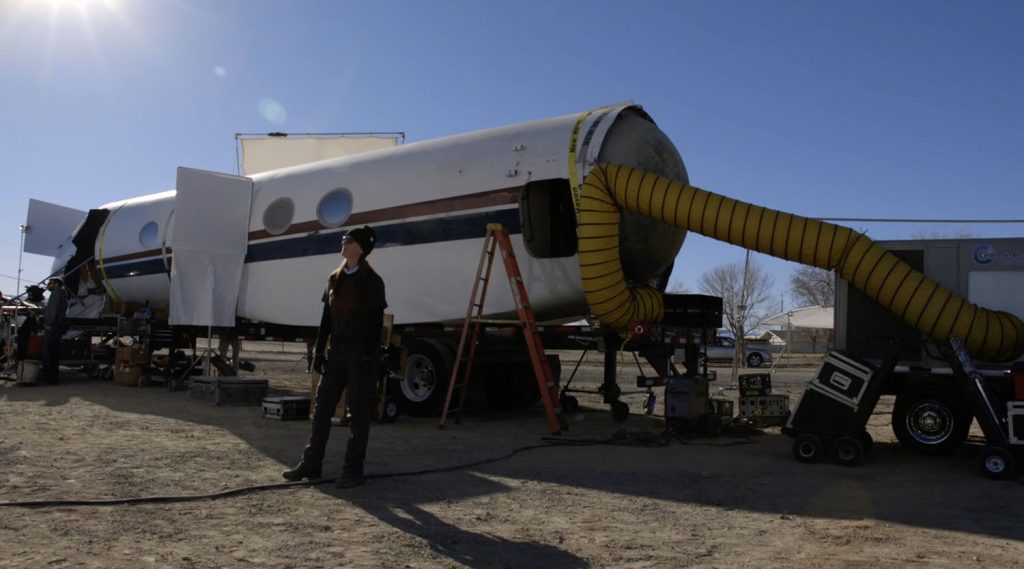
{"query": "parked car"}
[(724, 348)]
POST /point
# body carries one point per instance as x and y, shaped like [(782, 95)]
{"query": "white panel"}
[(997, 290), (209, 242), (49, 225), (263, 154)]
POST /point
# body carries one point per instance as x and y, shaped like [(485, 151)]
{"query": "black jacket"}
[(353, 314)]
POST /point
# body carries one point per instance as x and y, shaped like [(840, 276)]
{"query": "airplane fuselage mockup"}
[(429, 202)]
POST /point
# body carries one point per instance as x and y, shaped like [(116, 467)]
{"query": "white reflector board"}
[(211, 235), (48, 226), (271, 153)]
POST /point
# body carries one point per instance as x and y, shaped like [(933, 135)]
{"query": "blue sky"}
[(834, 109)]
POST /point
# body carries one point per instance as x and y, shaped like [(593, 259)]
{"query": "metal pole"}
[(23, 229)]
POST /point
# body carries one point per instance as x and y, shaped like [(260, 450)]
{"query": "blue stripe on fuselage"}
[(420, 232)]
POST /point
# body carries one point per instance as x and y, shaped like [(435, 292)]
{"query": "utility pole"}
[(23, 229)]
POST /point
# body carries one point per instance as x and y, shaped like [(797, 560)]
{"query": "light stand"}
[(23, 229)]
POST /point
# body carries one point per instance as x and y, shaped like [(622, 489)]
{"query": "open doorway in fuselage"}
[(549, 218), (81, 275)]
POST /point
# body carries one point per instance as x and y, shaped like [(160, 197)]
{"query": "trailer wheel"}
[(930, 419), (424, 381), (996, 463), (807, 448), (847, 451)]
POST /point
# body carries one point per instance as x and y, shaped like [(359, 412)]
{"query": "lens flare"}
[(272, 111)]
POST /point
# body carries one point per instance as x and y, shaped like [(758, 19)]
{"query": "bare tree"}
[(746, 291), (811, 286)]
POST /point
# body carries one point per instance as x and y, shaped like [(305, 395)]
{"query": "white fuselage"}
[(429, 203)]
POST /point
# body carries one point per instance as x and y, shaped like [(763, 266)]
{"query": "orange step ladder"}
[(497, 237)]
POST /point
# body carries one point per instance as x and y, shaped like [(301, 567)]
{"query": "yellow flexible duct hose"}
[(921, 302)]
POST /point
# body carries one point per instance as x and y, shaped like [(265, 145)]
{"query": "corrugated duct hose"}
[(921, 302)]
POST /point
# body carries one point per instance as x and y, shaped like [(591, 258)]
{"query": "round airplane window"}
[(149, 234), (277, 218), (335, 207)]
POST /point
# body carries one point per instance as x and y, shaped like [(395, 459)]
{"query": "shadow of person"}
[(469, 548)]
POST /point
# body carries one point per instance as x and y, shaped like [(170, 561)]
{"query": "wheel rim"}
[(995, 464), (846, 452), (929, 422), (420, 378), (806, 449), (755, 360)]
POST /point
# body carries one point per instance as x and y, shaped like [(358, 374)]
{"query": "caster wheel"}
[(847, 451), (569, 403), (389, 413), (620, 411), (996, 463), (807, 448)]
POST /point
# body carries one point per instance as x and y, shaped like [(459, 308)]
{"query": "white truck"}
[(930, 414)]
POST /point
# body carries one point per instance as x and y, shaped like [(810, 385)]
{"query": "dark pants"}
[(352, 368), (51, 356)]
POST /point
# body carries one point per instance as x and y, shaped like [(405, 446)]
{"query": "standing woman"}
[(353, 317)]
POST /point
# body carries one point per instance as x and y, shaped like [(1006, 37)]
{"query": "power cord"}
[(624, 437)]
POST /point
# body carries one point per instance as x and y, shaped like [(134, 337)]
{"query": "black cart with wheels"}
[(833, 411)]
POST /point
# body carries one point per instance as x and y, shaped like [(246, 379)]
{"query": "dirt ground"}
[(732, 501)]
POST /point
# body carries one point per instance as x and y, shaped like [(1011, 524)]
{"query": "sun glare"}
[(56, 24), (81, 6)]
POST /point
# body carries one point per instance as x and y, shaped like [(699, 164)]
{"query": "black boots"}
[(350, 479), (302, 470)]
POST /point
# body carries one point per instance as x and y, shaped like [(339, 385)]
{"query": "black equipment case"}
[(835, 407), (286, 408)]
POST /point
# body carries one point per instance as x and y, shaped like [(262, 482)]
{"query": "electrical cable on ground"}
[(618, 439)]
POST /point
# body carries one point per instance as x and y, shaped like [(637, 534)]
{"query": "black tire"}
[(807, 448), (996, 463), (847, 451), (569, 403), (424, 381), (755, 359), (620, 411), (930, 418), (389, 411)]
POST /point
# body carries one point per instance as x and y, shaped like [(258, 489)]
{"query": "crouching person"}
[(353, 316)]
